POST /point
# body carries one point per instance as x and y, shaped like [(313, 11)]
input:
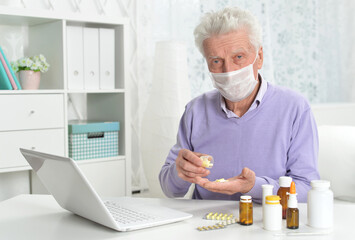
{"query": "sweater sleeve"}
[(171, 184), (301, 162)]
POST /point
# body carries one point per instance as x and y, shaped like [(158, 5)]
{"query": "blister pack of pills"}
[(218, 216), (224, 218), (212, 227)]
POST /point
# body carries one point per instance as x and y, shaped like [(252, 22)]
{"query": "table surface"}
[(40, 217)]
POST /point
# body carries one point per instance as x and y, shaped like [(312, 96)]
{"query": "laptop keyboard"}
[(125, 216)]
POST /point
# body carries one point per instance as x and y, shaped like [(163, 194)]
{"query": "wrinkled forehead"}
[(230, 43)]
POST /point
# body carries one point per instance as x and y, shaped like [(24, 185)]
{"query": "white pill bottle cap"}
[(285, 181), (320, 184), (245, 199)]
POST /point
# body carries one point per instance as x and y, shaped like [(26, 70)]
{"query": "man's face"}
[(230, 52)]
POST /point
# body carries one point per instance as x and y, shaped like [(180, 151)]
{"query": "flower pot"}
[(30, 79)]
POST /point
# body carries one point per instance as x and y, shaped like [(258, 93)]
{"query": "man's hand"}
[(242, 183), (189, 166)]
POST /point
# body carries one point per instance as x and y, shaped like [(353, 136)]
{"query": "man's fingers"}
[(186, 178), (215, 186), (193, 174), (192, 157), (191, 162), (246, 173), (189, 167), (219, 186), (201, 181)]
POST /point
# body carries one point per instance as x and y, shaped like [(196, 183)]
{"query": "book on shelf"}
[(9, 72), (4, 80)]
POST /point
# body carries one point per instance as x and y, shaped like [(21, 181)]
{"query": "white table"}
[(40, 217)]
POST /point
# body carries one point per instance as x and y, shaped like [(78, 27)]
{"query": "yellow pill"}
[(200, 229), (205, 228), (210, 227)]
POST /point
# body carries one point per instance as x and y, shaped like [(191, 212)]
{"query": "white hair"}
[(230, 19)]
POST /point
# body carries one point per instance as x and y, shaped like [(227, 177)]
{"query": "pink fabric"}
[(7, 70)]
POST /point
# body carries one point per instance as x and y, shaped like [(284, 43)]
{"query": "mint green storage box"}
[(89, 140)]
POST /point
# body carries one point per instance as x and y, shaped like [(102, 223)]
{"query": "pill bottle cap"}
[(320, 184), (292, 200), (293, 188), (285, 181), (245, 198), (267, 186), (272, 199)]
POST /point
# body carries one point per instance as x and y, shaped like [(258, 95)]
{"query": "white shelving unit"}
[(38, 119)]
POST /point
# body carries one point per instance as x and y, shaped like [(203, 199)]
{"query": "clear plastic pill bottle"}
[(272, 213), (207, 161), (245, 210), (320, 205)]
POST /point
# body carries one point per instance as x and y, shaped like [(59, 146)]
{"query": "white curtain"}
[(308, 44), (169, 94)]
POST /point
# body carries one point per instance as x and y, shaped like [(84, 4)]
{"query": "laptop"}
[(73, 192)]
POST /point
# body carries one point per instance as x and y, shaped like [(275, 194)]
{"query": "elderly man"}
[(255, 131)]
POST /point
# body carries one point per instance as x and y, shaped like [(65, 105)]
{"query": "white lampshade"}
[(169, 95)]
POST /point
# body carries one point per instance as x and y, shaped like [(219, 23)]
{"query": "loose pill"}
[(221, 180)]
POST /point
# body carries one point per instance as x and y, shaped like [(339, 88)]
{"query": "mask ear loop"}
[(255, 58)]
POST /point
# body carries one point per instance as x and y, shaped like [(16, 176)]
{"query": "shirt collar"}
[(254, 105)]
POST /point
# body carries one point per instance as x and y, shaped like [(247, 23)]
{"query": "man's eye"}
[(215, 61), (239, 56)]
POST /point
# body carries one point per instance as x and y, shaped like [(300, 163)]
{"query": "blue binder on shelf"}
[(4, 80), (12, 72)]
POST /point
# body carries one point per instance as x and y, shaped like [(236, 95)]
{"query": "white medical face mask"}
[(237, 85)]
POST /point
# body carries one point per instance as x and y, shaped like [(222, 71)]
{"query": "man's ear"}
[(260, 60)]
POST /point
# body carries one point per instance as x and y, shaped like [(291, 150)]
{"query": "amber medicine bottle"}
[(245, 210), (292, 214), (284, 183)]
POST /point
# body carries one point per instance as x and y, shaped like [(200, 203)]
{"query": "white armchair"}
[(336, 129)]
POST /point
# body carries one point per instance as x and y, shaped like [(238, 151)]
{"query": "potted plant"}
[(30, 69)]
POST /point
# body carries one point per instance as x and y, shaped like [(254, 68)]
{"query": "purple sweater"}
[(276, 137)]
